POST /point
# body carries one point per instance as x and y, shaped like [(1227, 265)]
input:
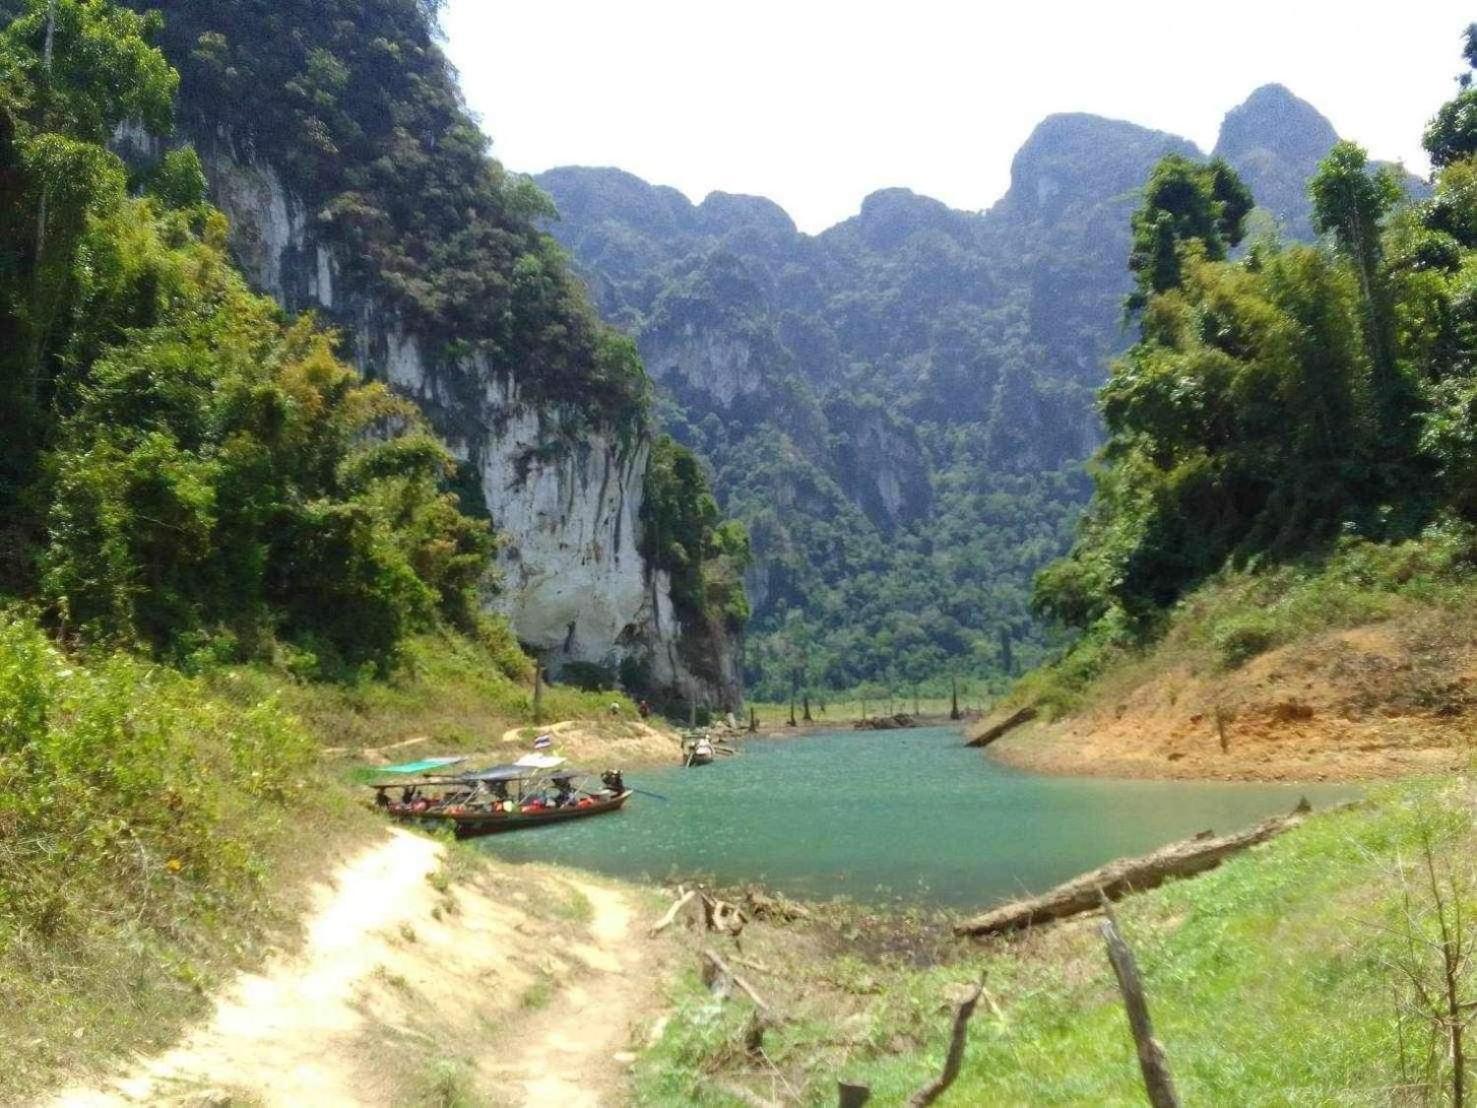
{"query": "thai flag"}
[(543, 742)]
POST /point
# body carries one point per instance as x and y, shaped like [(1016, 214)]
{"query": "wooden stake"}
[(538, 691), (958, 1039), (1157, 1080)]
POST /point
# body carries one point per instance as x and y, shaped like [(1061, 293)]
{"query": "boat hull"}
[(470, 825)]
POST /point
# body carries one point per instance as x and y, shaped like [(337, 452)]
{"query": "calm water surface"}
[(876, 817)]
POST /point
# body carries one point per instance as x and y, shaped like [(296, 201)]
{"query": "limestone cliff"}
[(565, 496)]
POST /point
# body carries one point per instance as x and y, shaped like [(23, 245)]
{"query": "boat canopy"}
[(423, 766), (495, 773), (539, 761)]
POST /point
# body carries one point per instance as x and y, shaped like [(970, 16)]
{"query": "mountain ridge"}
[(873, 396)]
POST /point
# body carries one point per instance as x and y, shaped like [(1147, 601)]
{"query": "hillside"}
[(899, 408), (1350, 668), (359, 188)]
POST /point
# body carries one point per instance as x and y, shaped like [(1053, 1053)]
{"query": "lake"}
[(882, 817)]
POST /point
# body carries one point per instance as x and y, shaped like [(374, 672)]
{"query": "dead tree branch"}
[(958, 1039)]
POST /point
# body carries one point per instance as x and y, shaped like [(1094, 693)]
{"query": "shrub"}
[(1242, 638), (148, 794)]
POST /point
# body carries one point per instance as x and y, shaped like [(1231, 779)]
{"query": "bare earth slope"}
[(1381, 700), (425, 974)]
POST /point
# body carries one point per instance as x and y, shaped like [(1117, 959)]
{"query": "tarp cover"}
[(540, 761), (422, 766)]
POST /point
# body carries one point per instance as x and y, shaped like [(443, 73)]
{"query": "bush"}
[(150, 795), (1241, 639), (588, 676)]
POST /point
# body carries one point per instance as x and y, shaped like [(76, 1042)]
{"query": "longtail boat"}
[(531, 792)]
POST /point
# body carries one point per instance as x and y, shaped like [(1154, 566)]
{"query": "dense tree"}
[(186, 470), (355, 103), (1452, 134), (1186, 204), (1301, 394)]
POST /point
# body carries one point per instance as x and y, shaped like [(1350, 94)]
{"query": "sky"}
[(816, 103)]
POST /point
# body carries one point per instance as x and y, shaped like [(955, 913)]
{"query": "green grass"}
[(449, 689), (1268, 979), (160, 831)]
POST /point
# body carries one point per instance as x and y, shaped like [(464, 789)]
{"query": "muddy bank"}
[(1374, 702)]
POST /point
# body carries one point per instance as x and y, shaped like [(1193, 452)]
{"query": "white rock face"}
[(574, 583), (703, 359)]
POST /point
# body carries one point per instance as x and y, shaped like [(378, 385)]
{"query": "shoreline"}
[(1076, 748)]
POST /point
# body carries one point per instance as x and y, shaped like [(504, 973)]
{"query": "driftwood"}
[(851, 1095), (963, 1012), (1127, 875), (673, 912), (1008, 724), (1158, 1082), (723, 917), (899, 722), (717, 915), (722, 981), (780, 909)]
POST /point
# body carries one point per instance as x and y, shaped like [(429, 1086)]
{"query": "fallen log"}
[(1126, 875), (994, 731)]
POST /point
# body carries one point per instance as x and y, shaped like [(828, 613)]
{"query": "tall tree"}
[(1351, 202), (1185, 204)]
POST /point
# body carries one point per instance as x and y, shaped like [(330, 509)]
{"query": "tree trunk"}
[(1117, 879), (954, 713), (994, 731), (1158, 1082)]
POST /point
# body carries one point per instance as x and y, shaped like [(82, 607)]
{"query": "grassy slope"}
[(158, 832), (1242, 614), (1267, 978)]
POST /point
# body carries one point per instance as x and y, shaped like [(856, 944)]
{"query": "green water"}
[(877, 817)]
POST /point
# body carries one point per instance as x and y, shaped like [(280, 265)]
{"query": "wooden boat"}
[(530, 793), (471, 823)]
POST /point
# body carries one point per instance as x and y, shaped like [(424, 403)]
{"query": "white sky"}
[(815, 103)]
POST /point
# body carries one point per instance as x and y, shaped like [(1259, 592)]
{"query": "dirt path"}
[(527, 986), (573, 1053)]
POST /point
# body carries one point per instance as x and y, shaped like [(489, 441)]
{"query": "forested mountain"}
[(900, 407), (334, 137), (188, 468)]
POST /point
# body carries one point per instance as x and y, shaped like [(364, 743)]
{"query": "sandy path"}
[(386, 962), (572, 1053)]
